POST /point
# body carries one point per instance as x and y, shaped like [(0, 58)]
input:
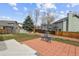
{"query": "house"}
[(8, 26), (21, 30), (68, 24)]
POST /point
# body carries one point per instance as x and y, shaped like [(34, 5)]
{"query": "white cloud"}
[(49, 5), (15, 8), (41, 10), (39, 5), (67, 11), (60, 17), (25, 8), (12, 4), (62, 12), (5, 18), (74, 4), (45, 6), (68, 5)]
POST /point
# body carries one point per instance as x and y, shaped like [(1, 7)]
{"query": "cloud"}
[(68, 5), (13, 5), (39, 5), (5, 18), (62, 12), (58, 17), (15, 8), (25, 8), (46, 5), (49, 5), (74, 4), (67, 11), (71, 5), (62, 16)]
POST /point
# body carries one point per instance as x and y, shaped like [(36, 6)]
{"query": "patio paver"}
[(52, 49)]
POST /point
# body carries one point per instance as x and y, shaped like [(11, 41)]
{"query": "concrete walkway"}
[(53, 49), (14, 48)]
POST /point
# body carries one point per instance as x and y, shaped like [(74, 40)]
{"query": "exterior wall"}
[(57, 26), (69, 24), (60, 26), (9, 26), (64, 26), (73, 23), (16, 28)]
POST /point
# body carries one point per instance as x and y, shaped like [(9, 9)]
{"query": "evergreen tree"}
[(28, 24)]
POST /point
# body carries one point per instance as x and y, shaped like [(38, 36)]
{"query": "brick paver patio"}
[(52, 49)]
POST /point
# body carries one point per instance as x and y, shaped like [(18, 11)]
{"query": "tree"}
[(28, 24), (36, 12)]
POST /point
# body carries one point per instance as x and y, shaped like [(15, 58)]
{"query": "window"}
[(1, 27), (59, 29), (10, 23)]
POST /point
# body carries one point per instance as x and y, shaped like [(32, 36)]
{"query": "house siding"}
[(73, 23), (64, 26), (68, 24), (57, 26), (9, 26)]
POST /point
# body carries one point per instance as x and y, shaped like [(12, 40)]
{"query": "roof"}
[(7, 23), (60, 20), (65, 18)]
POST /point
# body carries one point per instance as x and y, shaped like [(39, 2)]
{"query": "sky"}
[(18, 11)]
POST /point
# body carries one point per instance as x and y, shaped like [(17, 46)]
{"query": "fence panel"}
[(68, 34)]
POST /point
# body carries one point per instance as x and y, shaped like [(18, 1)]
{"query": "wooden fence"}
[(2, 31), (68, 34), (65, 34)]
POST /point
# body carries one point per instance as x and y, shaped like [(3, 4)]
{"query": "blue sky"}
[(18, 11)]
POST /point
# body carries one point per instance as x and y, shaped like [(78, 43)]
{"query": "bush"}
[(1, 38)]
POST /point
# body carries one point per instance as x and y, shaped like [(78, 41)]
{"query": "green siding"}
[(73, 23), (64, 26)]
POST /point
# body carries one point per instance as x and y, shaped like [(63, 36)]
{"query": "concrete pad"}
[(14, 48)]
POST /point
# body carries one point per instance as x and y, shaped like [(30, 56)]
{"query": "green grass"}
[(66, 41), (19, 36), (23, 37), (1, 38)]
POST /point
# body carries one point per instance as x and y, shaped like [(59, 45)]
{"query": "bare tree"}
[(47, 18), (36, 17)]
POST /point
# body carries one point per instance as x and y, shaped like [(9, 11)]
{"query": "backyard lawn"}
[(19, 36), (23, 37), (75, 43)]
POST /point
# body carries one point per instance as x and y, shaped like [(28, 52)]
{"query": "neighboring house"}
[(9, 26), (46, 27), (21, 30), (68, 24)]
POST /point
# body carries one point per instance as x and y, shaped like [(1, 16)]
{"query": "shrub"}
[(1, 38)]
